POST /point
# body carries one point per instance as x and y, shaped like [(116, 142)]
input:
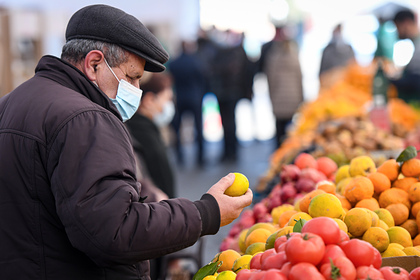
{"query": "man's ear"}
[(91, 64)]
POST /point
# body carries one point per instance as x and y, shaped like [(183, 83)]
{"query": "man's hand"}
[(230, 207)]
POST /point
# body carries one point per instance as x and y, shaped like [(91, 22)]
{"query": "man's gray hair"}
[(74, 51)]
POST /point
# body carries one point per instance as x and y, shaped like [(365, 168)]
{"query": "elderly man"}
[(71, 207)]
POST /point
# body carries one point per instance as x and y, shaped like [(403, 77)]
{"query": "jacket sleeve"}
[(92, 171)]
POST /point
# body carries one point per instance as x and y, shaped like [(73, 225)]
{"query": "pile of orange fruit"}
[(377, 204)]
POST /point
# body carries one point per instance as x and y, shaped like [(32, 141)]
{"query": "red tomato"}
[(255, 262), (332, 252), (377, 259), (257, 275), (286, 268), (394, 273), (281, 241), (339, 269), (325, 227), (414, 274), (305, 271), (368, 273), (274, 274), (243, 274), (359, 252), (344, 236), (266, 254), (273, 261), (307, 247)]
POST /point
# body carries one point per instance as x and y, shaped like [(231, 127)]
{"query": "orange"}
[(325, 205), (326, 186), (326, 165), (359, 188), (341, 224), (368, 203), (358, 220), (415, 209), (306, 199), (285, 217), (392, 196), (385, 216), (404, 183), (400, 235), (414, 192), (277, 211), (297, 216), (284, 231), (305, 160), (411, 168), (361, 165), (399, 212), (411, 226), (380, 181), (390, 168), (378, 237), (241, 263), (344, 202), (418, 219), (255, 248), (227, 257), (416, 240), (268, 226), (375, 218), (241, 240), (393, 251), (257, 235)]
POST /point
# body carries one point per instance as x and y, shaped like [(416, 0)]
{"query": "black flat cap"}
[(112, 25)]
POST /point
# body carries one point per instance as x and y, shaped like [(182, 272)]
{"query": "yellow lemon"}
[(210, 277), (241, 263), (411, 251), (342, 173), (226, 275), (239, 186)]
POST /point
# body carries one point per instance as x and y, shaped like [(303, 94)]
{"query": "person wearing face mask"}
[(156, 111), (72, 206)]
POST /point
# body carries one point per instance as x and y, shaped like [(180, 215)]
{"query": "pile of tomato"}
[(321, 251)]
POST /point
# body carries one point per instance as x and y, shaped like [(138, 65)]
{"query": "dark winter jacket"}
[(69, 199)]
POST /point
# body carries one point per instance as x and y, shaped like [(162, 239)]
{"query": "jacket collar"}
[(67, 75)]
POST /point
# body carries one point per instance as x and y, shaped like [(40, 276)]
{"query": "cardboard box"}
[(407, 262)]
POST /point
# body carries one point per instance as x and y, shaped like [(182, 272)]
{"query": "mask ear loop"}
[(111, 69)]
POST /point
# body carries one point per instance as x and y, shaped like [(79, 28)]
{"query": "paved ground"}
[(193, 181)]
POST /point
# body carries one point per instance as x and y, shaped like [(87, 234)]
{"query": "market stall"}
[(341, 195)]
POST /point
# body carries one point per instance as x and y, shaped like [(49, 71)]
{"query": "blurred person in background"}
[(279, 61), (337, 53), (231, 81), (71, 202), (408, 85), (189, 77), (156, 110)]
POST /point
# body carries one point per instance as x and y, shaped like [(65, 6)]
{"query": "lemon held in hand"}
[(239, 186)]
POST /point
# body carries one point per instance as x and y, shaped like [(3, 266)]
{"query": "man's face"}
[(130, 71)]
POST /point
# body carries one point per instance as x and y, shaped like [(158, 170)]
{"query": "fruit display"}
[(340, 225), (339, 124)]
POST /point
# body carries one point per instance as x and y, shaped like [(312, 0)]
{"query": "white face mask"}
[(128, 97), (165, 117)]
